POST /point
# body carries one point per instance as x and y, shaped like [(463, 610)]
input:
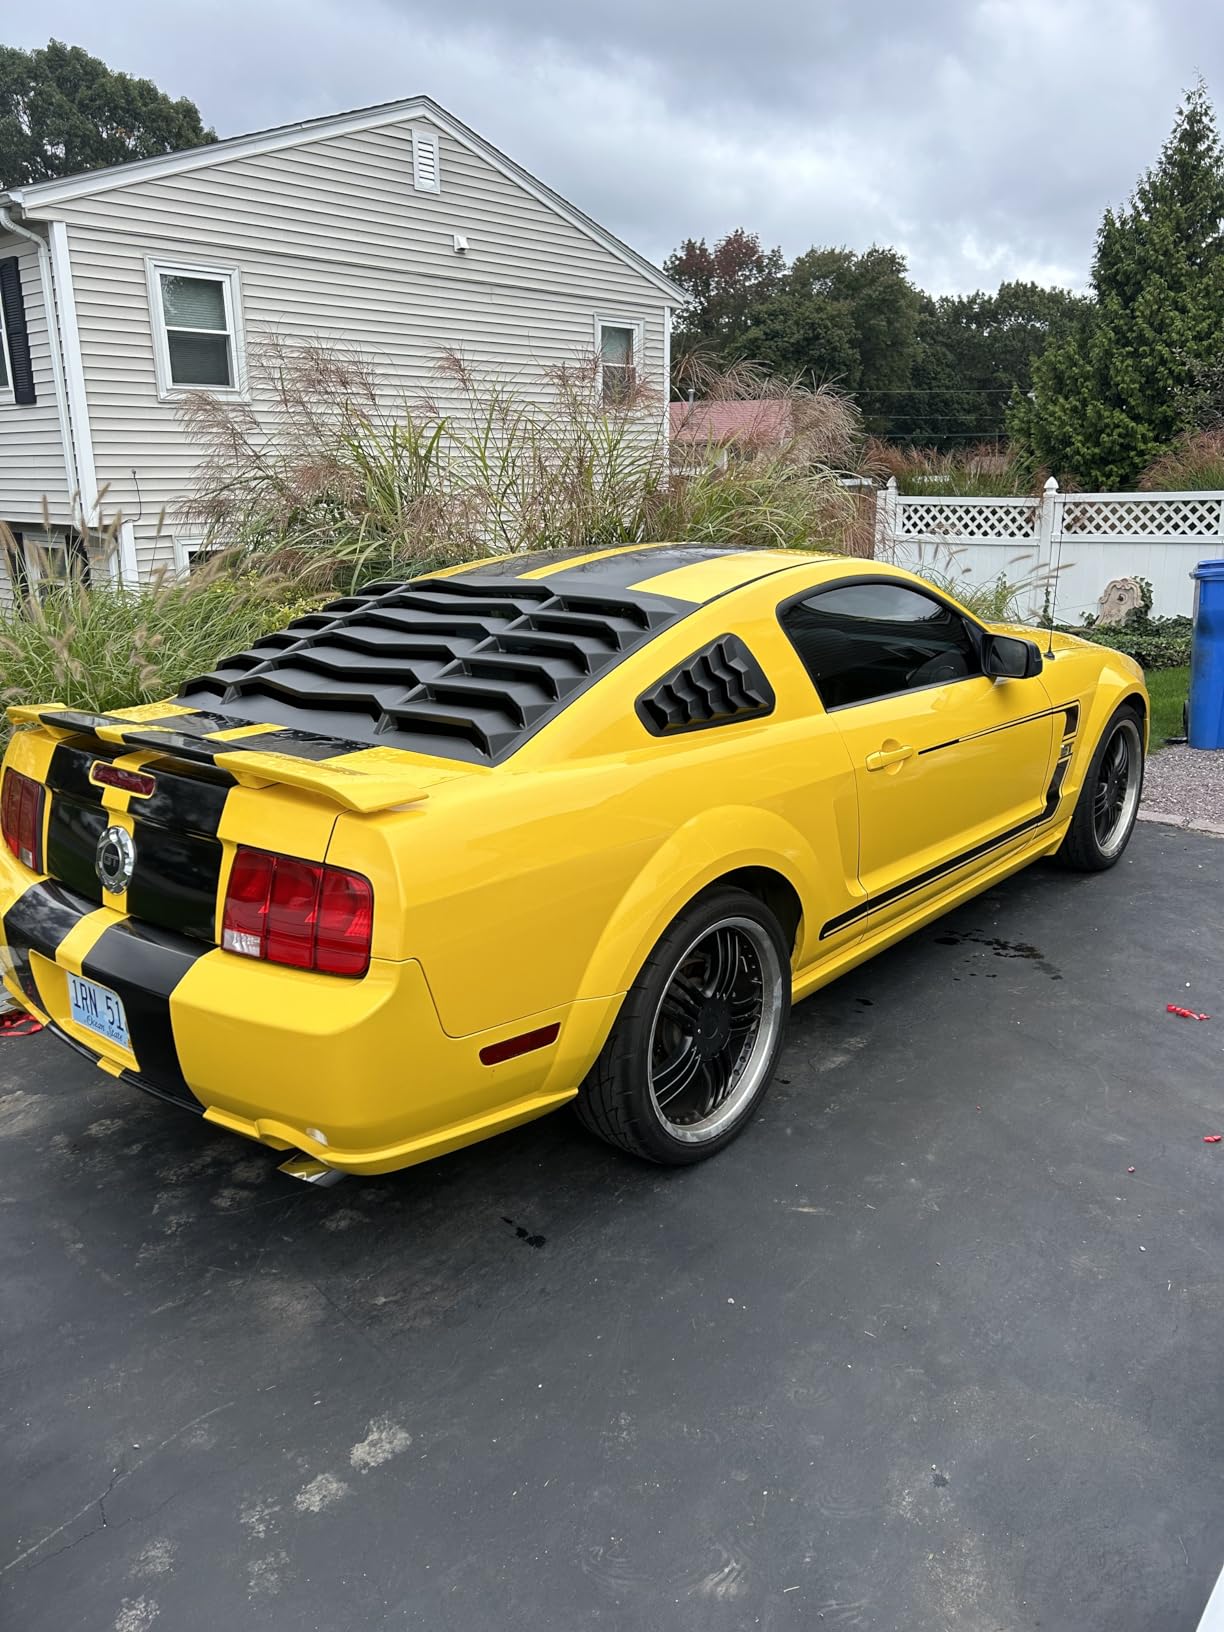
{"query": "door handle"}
[(884, 757)]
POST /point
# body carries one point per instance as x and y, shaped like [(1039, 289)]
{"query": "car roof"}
[(693, 574)]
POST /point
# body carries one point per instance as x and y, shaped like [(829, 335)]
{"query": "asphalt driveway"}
[(918, 1353)]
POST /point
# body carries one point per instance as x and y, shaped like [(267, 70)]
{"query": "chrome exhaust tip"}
[(310, 1170)]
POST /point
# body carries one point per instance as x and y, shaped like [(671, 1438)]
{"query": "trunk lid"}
[(217, 780)]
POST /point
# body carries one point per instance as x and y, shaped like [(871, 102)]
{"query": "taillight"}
[(298, 913), (21, 818)]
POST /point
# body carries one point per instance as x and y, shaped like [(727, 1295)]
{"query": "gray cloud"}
[(981, 137)]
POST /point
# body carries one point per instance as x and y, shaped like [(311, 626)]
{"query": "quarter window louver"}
[(719, 685), (426, 169)]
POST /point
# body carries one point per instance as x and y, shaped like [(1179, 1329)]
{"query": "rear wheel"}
[(698, 1038), (1108, 804)]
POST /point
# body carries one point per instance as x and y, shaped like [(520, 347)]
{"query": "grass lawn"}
[(1167, 689)]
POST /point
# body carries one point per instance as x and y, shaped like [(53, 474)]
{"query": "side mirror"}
[(1005, 657)]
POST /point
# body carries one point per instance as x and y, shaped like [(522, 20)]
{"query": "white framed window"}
[(197, 331), (190, 554), (426, 164), (618, 352), (54, 556)]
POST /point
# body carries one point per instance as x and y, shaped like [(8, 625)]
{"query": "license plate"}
[(98, 1009)]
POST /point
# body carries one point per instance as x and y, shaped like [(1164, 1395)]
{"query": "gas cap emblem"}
[(115, 860)]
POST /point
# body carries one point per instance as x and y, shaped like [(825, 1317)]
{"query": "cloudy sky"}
[(983, 139)]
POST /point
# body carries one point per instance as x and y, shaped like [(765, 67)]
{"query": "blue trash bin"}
[(1207, 657)]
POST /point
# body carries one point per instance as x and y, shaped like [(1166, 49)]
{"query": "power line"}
[(935, 390)]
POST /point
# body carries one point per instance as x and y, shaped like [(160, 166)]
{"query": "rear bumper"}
[(356, 1072)]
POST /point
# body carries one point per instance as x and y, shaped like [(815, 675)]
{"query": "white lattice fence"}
[(1062, 546), (967, 519), (1154, 518)]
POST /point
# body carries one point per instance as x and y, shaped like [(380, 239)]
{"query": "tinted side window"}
[(873, 640)]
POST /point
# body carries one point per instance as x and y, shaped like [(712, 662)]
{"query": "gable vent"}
[(426, 170), (718, 685)]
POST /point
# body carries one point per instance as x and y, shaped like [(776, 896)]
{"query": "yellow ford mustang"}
[(447, 854)]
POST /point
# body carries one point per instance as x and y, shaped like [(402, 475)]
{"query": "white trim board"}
[(74, 375), (46, 194)]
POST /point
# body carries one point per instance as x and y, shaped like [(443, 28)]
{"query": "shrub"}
[(1194, 461), (104, 647), (1164, 645), (341, 488), (985, 470), (1154, 643)]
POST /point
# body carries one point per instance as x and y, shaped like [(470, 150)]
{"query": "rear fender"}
[(716, 843)]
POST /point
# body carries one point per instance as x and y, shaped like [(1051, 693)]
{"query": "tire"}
[(698, 1037), (1106, 809)]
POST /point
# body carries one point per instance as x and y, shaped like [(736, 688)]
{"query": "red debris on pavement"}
[(1186, 1014), (1130, 1170), (1212, 1138), (18, 1025)]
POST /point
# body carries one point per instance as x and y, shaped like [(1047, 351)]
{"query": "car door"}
[(950, 766)]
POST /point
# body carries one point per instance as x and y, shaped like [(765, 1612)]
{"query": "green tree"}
[(1110, 394), (846, 319), (725, 284), (63, 111), (974, 352)]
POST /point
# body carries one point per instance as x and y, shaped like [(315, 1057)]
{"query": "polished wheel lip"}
[(1119, 782), (750, 1071)]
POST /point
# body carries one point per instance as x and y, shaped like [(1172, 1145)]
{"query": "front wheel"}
[(1108, 804), (698, 1037)]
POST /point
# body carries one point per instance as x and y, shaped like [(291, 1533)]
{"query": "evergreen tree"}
[(1110, 395)]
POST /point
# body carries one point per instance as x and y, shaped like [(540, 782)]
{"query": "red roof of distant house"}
[(761, 419)]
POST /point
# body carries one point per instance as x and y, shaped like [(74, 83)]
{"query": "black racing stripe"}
[(148, 1087), (194, 802), (143, 965), (38, 921), (83, 720), (203, 751), (175, 879), (73, 830), (178, 856), (199, 723), (506, 566), (297, 744), (920, 880), (619, 572), (69, 769)]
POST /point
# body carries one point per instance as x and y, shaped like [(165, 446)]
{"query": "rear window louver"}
[(465, 670), (719, 685)]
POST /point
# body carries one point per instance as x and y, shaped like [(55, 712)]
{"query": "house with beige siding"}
[(395, 230)]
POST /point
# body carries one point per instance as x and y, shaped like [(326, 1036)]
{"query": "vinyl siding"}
[(32, 466), (332, 242)]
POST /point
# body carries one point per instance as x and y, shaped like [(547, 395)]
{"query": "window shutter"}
[(426, 171), (13, 302)]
